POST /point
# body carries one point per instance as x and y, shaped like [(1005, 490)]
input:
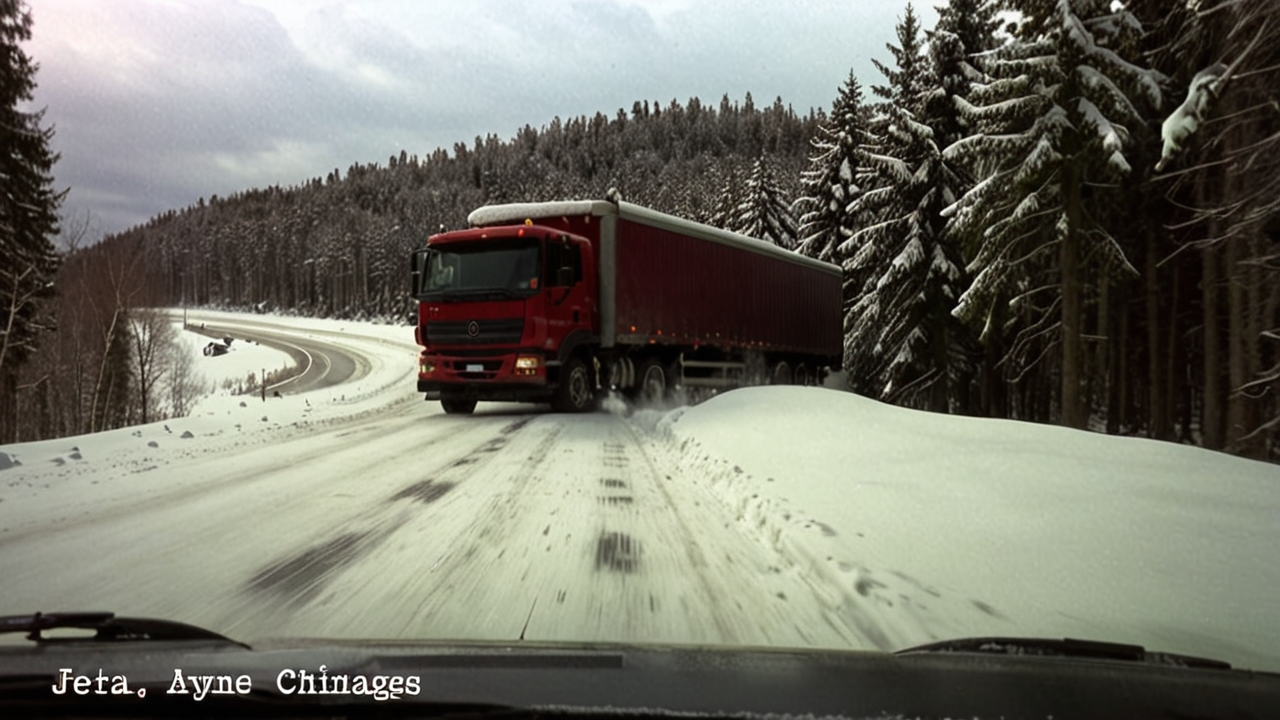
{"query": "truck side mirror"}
[(564, 277), (416, 263)]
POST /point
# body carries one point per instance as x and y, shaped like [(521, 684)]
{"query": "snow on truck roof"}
[(519, 212)]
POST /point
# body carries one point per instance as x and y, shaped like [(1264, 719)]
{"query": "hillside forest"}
[(1069, 218)]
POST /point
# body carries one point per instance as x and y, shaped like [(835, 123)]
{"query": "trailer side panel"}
[(673, 288)]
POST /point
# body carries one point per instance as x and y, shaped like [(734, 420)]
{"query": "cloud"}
[(158, 103)]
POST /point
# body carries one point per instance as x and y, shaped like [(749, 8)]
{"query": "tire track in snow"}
[(303, 576), (447, 525), (238, 471)]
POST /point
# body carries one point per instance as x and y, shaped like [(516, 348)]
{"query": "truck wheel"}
[(802, 374), (652, 387), (781, 374), (575, 393), (457, 406)]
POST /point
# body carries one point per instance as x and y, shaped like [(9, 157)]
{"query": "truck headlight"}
[(426, 368), (527, 364)]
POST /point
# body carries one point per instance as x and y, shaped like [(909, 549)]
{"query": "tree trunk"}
[(1172, 357), (1211, 416), (1101, 381), (1157, 403), (1118, 347), (1236, 367), (1073, 412), (1253, 328)]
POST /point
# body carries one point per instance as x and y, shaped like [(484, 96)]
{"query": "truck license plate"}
[(475, 367)]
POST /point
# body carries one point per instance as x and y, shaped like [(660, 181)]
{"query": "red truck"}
[(558, 302)]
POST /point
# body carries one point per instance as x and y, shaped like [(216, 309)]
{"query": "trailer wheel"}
[(781, 374), (802, 374), (458, 406), (575, 393), (652, 387)]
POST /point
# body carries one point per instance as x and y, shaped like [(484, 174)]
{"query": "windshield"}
[(483, 267), (461, 267), (981, 338)]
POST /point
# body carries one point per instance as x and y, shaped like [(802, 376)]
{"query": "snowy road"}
[(320, 364), (769, 516), (399, 521)]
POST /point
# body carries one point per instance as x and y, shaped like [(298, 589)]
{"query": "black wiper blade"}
[(107, 628), (1067, 647), (480, 294)]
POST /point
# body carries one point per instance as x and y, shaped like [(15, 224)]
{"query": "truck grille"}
[(488, 332), (465, 369)]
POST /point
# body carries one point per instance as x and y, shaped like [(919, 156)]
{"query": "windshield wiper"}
[(480, 294), (1068, 647), (107, 628)]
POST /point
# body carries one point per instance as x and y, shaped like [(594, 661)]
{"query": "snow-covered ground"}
[(765, 516), (962, 526), (229, 373)]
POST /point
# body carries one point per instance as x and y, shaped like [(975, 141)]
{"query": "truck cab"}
[(501, 312)]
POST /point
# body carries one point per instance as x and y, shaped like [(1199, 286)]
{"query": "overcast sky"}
[(158, 103)]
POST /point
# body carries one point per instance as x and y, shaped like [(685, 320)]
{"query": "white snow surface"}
[(235, 366), (962, 526), (773, 516)]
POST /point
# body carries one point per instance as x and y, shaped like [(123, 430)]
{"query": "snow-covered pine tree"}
[(764, 211), (1221, 154), (828, 185), (28, 210), (906, 76), (902, 342), (1054, 121), (973, 22), (723, 207)]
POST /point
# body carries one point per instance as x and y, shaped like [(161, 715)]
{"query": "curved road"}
[(401, 521), (320, 364)]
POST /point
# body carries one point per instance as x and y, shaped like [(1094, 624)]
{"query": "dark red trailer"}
[(560, 301)]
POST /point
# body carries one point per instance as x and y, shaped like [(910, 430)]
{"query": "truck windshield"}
[(477, 270)]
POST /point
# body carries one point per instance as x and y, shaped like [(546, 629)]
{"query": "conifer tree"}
[(764, 211), (829, 185), (1054, 120), (973, 22), (28, 208), (902, 341)]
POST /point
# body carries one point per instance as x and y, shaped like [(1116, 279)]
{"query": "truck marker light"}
[(520, 232), (533, 284)]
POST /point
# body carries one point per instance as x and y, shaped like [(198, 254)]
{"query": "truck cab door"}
[(569, 303)]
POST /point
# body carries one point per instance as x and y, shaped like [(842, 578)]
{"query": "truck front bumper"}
[(505, 392), (511, 377)]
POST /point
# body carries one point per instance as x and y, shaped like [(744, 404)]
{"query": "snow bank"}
[(951, 526)]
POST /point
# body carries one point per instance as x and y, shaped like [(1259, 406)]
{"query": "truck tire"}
[(781, 374), (575, 393), (651, 383), (802, 374), (458, 406)]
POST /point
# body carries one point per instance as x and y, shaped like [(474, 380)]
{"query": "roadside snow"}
[(228, 372), (390, 350), (963, 526)]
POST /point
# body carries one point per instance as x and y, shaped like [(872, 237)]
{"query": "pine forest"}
[(1055, 211)]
